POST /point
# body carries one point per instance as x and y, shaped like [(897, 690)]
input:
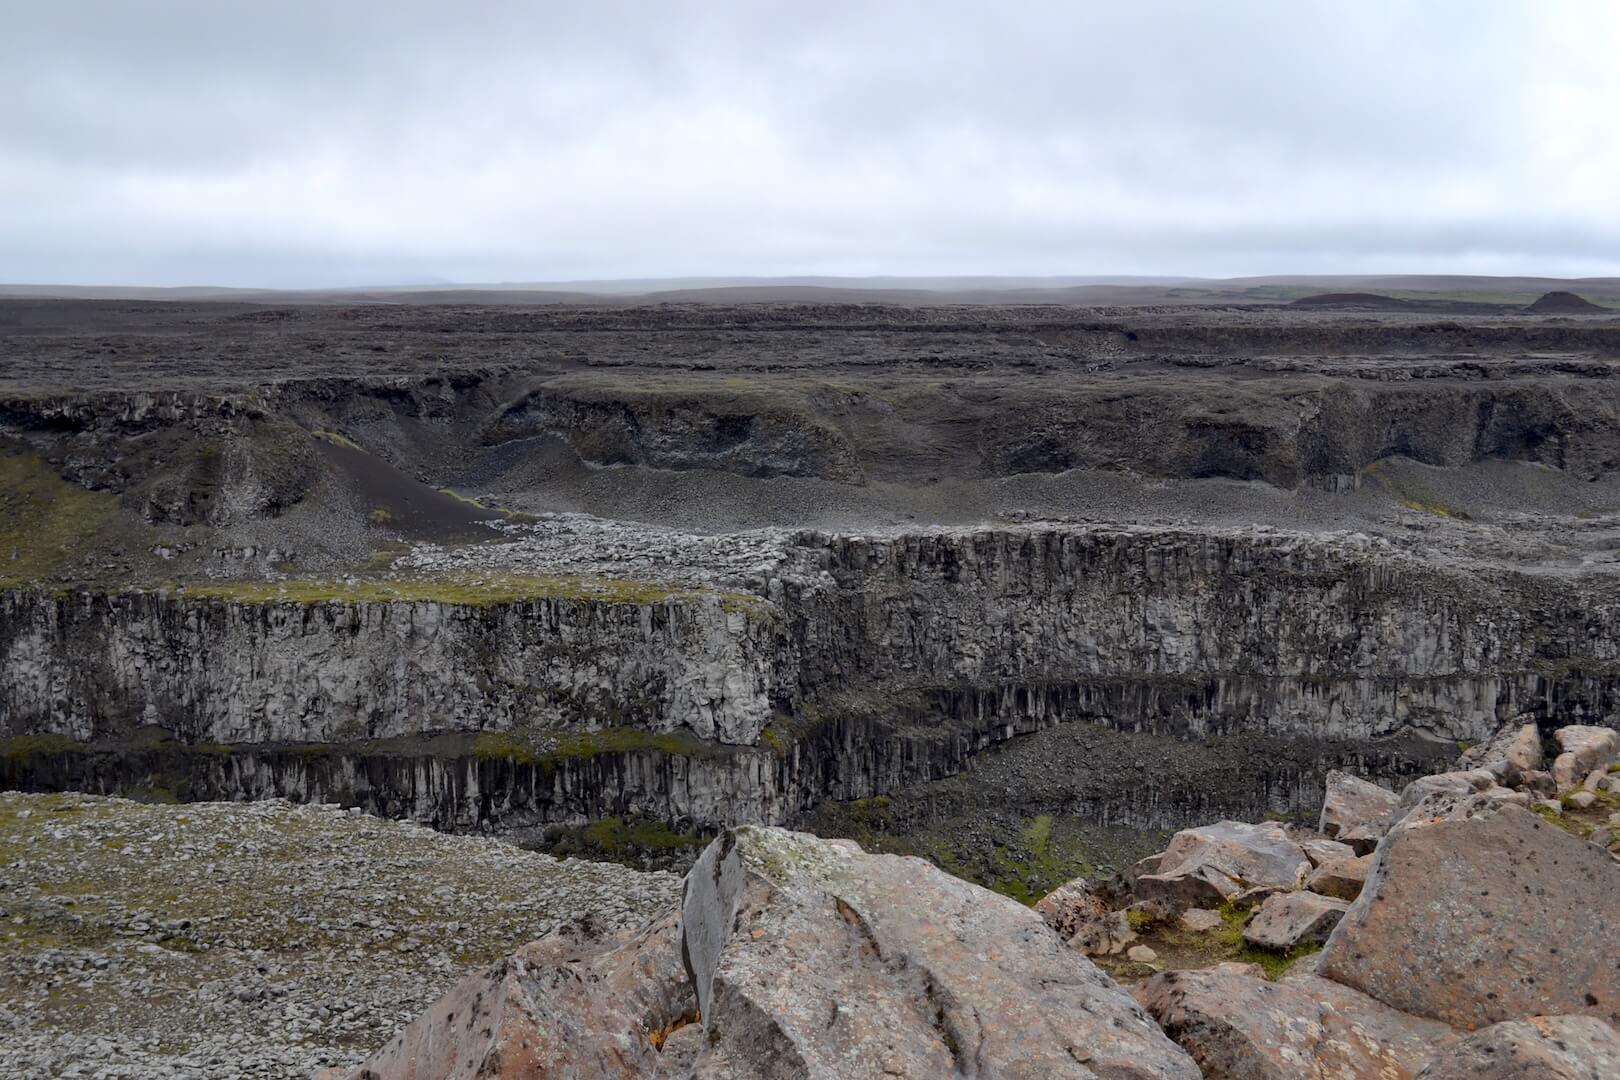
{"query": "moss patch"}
[(18, 747), (45, 522), (485, 590)]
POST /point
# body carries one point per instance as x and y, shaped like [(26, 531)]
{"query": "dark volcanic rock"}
[(1476, 912), (1565, 303)]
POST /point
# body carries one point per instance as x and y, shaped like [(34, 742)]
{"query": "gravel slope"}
[(259, 940)]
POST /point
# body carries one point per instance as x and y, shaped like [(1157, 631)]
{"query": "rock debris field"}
[(217, 940)]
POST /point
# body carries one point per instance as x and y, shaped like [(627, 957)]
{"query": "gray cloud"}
[(322, 143)]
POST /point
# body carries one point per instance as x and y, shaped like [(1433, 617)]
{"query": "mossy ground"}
[(549, 749), (46, 523), (1180, 949), (480, 590)]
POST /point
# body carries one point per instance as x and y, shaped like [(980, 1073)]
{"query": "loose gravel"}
[(221, 940)]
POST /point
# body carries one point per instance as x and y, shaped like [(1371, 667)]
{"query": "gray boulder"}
[(811, 958), (1205, 866), (1241, 1027), (1511, 754), (1291, 919), (1540, 1048), (1355, 811), (1476, 912)]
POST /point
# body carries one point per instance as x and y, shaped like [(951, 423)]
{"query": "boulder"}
[(1290, 919), (1583, 749), (1447, 783), (578, 1002), (1240, 1027), (1106, 935), (1342, 878), (1321, 850), (1205, 866), (1475, 912), (1069, 907), (811, 958), (1580, 800), (1510, 754), (1540, 1048), (1355, 811), (1200, 920)]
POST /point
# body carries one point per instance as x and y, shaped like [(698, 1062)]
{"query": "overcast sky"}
[(350, 142)]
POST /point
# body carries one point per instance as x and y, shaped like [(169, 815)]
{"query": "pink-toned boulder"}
[(1206, 866), (1511, 754), (1291, 919), (1355, 811), (1069, 907), (1341, 878), (1240, 1027), (578, 1002), (1540, 1048), (1476, 912), (1584, 748)]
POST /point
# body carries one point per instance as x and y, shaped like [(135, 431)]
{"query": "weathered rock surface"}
[(1069, 907), (1584, 748), (1540, 1048), (1290, 919), (1204, 866), (1320, 851), (1511, 754), (1240, 1027), (811, 958), (580, 1002), (1355, 811), (1342, 878), (1475, 912)]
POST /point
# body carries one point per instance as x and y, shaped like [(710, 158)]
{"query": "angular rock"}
[(1355, 811), (1205, 866), (1296, 918), (1584, 749), (1540, 1048), (577, 1002), (1106, 935), (1455, 784), (1240, 1027), (1341, 878), (1200, 920), (1580, 800), (811, 958), (1142, 954), (1069, 907), (1513, 752), (1476, 912), (1320, 850)]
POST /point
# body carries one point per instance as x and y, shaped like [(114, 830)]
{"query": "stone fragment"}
[(1320, 850), (1540, 1048), (1205, 866), (1249, 899), (578, 1002), (1107, 934), (1200, 920), (1068, 907), (1580, 800), (1342, 878), (1142, 954), (1512, 752), (1475, 912), (885, 961), (1241, 1027), (1355, 811), (1290, 919), (1446, 783), (1584, 749), (1596, 780), (1539, 781)]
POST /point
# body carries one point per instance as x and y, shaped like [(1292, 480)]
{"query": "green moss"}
[(618, 836), (622, 740), (486, 590), (770, 738), (1139, 920), (503, 746), (18, 747), (45, 522), (1615, 767)]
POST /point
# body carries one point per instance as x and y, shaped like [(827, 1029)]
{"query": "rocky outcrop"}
[(1355, 811), (1583, 750), (807, 959), (1540, 1048), (1241, 1027), (1476, 912), (581, 1001), (1209, 865)]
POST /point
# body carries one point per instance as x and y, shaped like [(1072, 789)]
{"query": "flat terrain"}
[(215, 940)]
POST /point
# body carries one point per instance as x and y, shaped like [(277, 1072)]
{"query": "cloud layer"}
[(368, 142)]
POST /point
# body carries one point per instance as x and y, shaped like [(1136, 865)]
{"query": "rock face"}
[(811, 958), (578, 1003), (1476, 912), (1287, 920), (1355, 811), (1541, 1048), (1241, 1027), (1205, 866)]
